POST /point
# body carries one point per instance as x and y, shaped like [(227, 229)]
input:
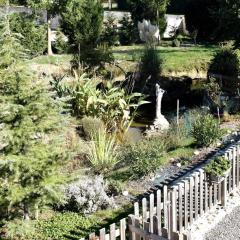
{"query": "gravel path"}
[(228, 229)]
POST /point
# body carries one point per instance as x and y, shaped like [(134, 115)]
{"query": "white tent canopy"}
[(174, 22)]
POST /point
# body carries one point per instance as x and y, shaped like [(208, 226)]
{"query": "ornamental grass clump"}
[(103, 154), (206, 130), (218, 166)]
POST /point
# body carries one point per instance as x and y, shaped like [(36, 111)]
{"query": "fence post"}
[(159, 210), (201, 176), (131, 222), (237, 153), (123, 229), (224, 192), (165, 229), (151, 209), (196, 178), (186, 204)]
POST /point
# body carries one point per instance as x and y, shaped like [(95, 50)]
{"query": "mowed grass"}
[(183, 59), (175, 59)]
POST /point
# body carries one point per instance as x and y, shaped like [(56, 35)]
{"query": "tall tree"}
[(32, 135), (53, 7), (226, 14), (153, 10)]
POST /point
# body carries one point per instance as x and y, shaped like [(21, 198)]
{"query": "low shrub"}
[(206, 130), (226, 61), (145, 157), (88, 195), (66, 225), (91, 125), (176, 43), (218, 166), (61, 44)]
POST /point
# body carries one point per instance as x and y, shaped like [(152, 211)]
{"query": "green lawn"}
[(184, 59), (175, 59)]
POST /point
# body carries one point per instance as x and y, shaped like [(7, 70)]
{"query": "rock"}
[(125, 193), (196, 153), (179, 165)]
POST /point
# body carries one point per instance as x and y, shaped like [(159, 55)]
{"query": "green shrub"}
[(218, 166), (91, 125), (110, 33), (206, 130), (33, 36), (150, 67), (176, 43), (103, 151), (128, 33), (67, 225), (145, 157), (226, 62), (61, 45)]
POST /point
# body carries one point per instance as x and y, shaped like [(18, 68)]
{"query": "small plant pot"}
[(218, 179)]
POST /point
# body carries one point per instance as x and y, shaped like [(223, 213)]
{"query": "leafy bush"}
[(93, 59), (33, 36), (114, 187), (111, 104), (226, 62), (67, 225), (91, 125), (176, 43), (218, 166), (206, 130), (150, 66), (19, 230), (88, 195), (145, 157), (61, 44), (102, 151), (128, 33), (110, 33)]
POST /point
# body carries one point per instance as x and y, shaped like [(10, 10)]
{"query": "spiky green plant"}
[(103, 151)]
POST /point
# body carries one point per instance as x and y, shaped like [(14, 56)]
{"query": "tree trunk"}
[(26, 212), (49, 38), (110, 4)]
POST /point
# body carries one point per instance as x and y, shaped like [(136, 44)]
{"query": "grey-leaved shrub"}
[(88, 195)]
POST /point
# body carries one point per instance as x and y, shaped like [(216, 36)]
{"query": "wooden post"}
[(165, 206), (186, 204), (102, 234), (123, 229), (224, 192), (159, 209), (234, 167), (210, 196), (201, 176), (156, 226), (180, 207), (173, 213), (144, 209), (206, 196), (137, 225), (131, 222), (136, 209), (237, 163), (113, 231), (214, 194), (146, 227), (196, 195), (191, 200), (151, 211)]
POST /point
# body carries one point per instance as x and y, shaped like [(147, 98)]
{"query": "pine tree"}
[(32, 135), (153, 10)]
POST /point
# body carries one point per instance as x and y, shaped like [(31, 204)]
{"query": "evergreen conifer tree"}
[(32, 135)]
